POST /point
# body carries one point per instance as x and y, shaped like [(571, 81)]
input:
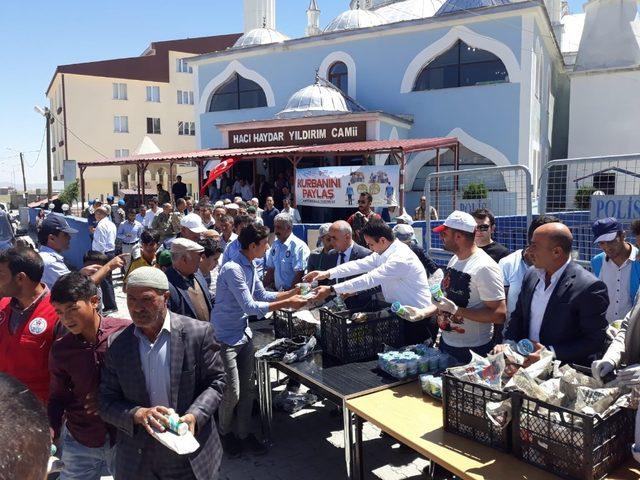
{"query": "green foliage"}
[(70, 193), (475, 191), (583, 198)]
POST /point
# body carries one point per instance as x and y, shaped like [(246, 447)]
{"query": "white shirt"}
[(618, 282), (513, 269), (104, 237), (398, 271), (246, 192), (150, 215), (347, 255), (540, 300), (293, 213)]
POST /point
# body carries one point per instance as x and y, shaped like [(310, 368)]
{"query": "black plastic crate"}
[(285, 325), (570, 444), (464, 411), (354, 342)]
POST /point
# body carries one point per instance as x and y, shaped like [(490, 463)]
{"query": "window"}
[(185, 97), (339, 76), (122, 152), (120, 91), (187, 128), (461, 66), (153, 94), (238, 93), (605, 182), (121, 124), (182, 66), (153, 125)]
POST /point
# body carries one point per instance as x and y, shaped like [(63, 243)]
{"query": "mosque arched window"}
[(238, 93), (461, 66), (338, 75)]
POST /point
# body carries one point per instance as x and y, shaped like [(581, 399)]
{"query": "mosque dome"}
[(409, 10), (452, 6), (352, 19), (260, 36), (314, 100)]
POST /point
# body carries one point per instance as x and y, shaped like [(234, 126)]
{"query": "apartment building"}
[(126, 106)]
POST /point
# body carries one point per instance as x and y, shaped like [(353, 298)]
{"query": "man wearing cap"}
[(616, 266), (117, 213), (323, 257), (189, 293), (475, 298), (152, 212), (392, 266), (129, 234), (287, 258), (191, 227), (54, 238), (104, 241), (164, 360)]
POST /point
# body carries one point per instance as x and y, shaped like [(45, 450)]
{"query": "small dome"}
[(409, 10), (352, 19), (452, 6), (260, 36), (316, 99)]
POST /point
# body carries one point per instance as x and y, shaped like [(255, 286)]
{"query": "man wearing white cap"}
[(188, 288), (162, 361), (323, 257), (191, 227), (475, 298)]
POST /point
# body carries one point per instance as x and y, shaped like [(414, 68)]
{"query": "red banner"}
[(216, 172)]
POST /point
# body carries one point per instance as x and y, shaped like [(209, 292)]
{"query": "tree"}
[(475, 191), (70, 193), (582, 199)]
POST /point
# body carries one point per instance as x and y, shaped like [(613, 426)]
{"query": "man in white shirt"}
[(151, 212), (104, 241), (392, 266), (474, 294), (616, 266), (246, 190)]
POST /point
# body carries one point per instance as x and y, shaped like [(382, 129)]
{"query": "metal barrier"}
[(506, 191), (581, 190)]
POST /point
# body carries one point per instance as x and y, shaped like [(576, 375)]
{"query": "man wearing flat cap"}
[(162, 361), (189, 293)]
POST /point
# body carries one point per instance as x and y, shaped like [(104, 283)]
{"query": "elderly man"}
[(191, 227), (227, 235), (241, 294), (256, 203), (162, 361), (287, 257), (287, 208), (189, 293), (561, 305), (129, 233), (104, 241), (323, 257)]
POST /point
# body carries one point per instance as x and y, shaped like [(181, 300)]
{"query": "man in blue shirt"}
[(287, 258), (129, 234), (240, 294)]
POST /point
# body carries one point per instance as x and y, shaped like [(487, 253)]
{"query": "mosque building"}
[(499, 75)]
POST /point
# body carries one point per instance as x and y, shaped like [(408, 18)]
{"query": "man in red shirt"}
[(28, 322), (360, 218), (75, 363)]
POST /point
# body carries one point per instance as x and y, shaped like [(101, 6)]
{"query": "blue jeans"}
[(462, 354), (85, 463)]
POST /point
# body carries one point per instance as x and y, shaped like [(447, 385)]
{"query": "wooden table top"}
[(416, 421)]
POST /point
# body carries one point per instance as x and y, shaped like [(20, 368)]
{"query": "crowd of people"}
[(196, 274)]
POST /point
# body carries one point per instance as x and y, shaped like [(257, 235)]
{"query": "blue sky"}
[(36, 36)]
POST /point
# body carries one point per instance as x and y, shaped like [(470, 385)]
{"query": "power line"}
[(39, 151), (77, 137)]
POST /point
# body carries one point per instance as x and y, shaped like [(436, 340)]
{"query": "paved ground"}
[(309, 445)]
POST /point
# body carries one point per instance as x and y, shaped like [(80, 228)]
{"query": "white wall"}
[(604, 114)]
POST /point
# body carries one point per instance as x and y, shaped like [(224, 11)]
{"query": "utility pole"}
[(46, 113), (24, 180)]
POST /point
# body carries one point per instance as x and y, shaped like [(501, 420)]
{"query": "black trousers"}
[(108, 294)]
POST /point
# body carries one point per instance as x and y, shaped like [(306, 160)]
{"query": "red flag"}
[(216, 172)]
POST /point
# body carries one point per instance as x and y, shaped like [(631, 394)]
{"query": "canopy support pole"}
[(402, 162), (82, 187)]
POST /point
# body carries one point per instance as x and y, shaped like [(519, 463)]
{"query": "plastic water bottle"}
[(339, 303), (525, 347), (435, 285), (175, 425), (398, 309)]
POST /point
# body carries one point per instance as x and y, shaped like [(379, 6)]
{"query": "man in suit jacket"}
[(345, 249), (188, 290), (162, 361), (561, 305)]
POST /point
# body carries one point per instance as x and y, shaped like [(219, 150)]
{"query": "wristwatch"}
[(332, 290)]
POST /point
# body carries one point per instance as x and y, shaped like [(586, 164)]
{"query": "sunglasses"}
[(484, 228), (361, 202)]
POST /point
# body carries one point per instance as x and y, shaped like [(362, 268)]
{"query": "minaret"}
[(258, 13), (611, 35), (313, 19)]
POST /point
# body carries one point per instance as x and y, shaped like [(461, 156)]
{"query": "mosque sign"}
[(322, 134)]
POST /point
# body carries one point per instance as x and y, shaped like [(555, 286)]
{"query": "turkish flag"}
[(216, 172)]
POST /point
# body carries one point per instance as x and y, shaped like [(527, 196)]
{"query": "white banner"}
[(340, 187)]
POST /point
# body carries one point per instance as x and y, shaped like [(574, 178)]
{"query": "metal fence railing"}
[(581, 190), (506, 191)]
